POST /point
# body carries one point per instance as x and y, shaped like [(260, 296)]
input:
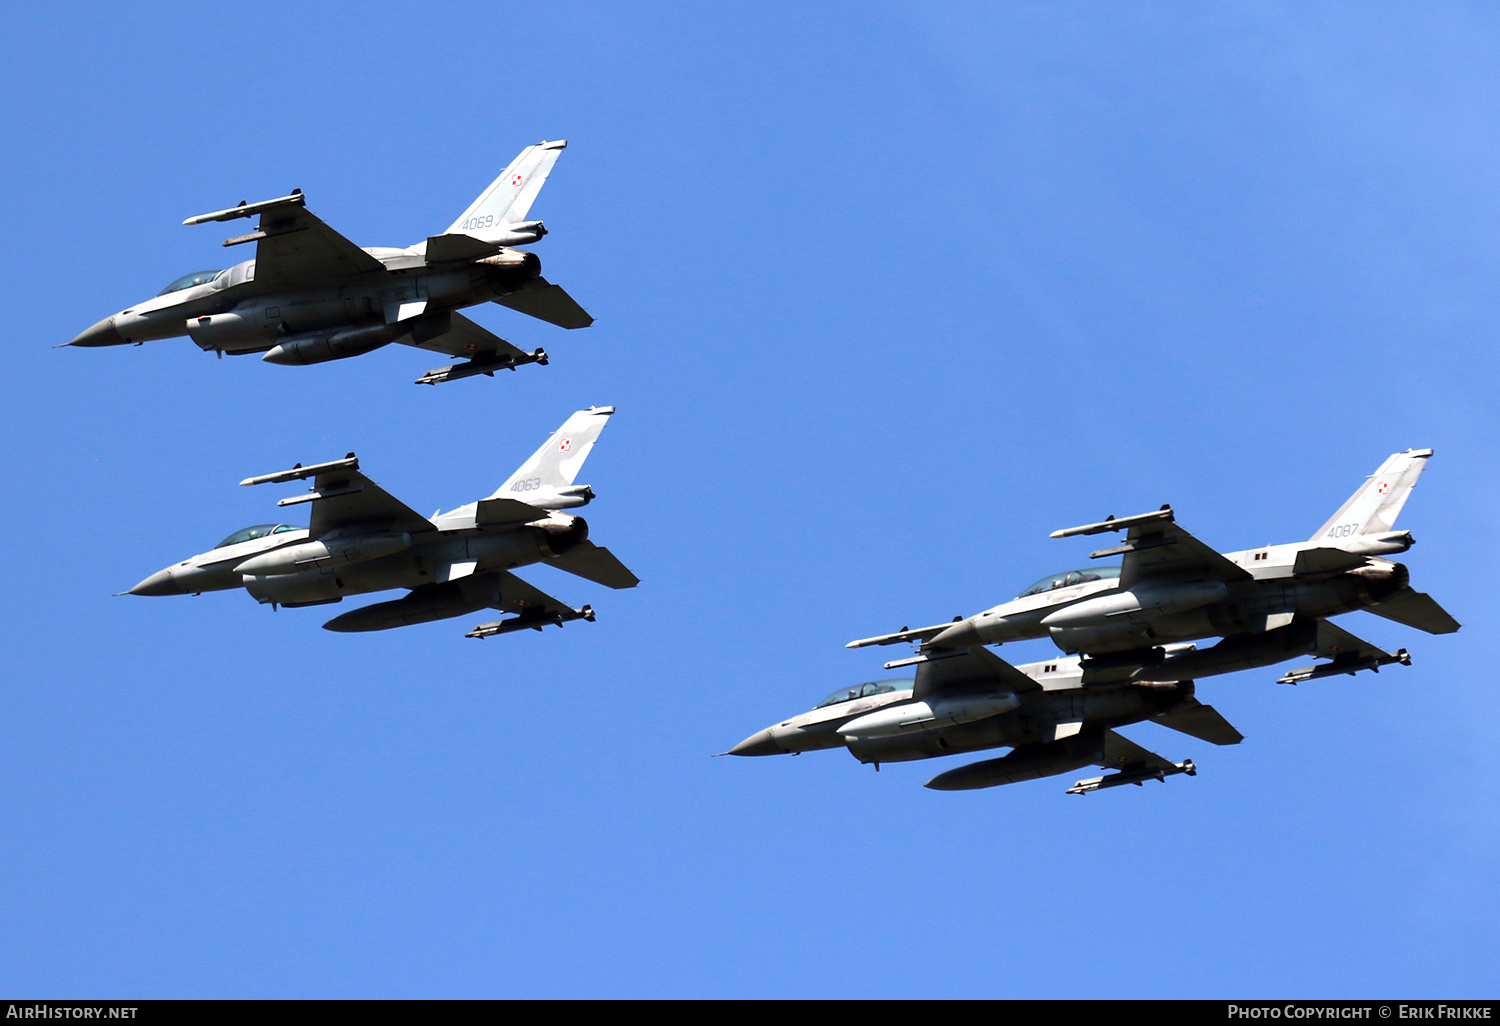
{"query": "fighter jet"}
[(968, 700), (310, 295), (1267, 604), (361, 539)]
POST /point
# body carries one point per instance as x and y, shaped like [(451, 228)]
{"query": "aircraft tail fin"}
[(1373, 508), (548, 475), (508, 199)]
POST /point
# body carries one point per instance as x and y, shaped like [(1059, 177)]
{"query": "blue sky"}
[(884, 294)]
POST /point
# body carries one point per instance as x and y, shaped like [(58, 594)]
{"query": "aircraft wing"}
[(1156, 546), (966, 668), (533, 607), (292, 244), (341, 497), (596, 563), (518, 596), (1121, 753), (465, 338), (547, 302), (1347, 653)]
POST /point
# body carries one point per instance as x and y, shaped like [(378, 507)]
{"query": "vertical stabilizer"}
[(508, 199), (555, 466), (1373, 508)]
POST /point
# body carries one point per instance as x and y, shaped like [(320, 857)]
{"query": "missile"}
[(531, 620), (1350, 666), (1133, 777), (296, 199), (311, 555), (933, 714), (481, 365)]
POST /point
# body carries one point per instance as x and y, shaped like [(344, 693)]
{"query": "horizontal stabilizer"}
[(499, 512), (1195, 719), (596, 563), (1416, 609), (547, 302)]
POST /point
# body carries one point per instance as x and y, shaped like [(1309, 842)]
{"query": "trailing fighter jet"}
[(1267, 604), (310, 295), (361, 539), (968, 700)]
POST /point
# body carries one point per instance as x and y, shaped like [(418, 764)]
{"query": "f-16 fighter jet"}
[(361, 539), (1268, 604), (968, 700), (310, 295)]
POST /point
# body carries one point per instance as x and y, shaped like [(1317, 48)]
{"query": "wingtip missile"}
[(1115, 523), (250, 209), (350, 462)]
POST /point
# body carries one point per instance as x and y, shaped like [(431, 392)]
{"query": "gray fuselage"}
[(234, 314), (424, 557), (1101, 616)]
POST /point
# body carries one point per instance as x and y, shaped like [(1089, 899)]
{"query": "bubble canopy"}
[(874, 687), (1068, 578), (187, 281), (258, 531)]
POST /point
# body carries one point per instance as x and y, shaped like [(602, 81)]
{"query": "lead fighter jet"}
[(1267, 604), (361, 539), (310, 295)]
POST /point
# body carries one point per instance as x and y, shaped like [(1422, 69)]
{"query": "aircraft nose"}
[(102, 334), (962, 634), (759, 743), (159, 583)]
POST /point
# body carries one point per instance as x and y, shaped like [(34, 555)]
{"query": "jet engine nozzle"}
[(338, 344), (561, 534), (1381, 578), (510, 269)]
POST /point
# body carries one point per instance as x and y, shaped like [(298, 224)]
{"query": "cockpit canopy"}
[(875, 687), (258, 531), (187, 281), (1069, 578)]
